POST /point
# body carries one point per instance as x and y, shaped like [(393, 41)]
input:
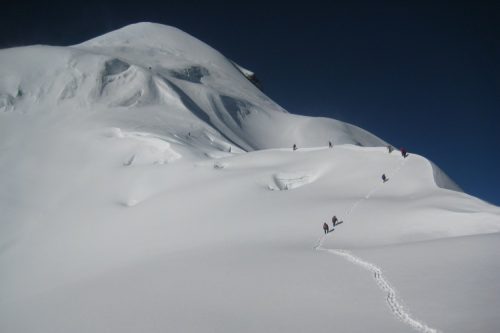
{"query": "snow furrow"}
[(396, 307)]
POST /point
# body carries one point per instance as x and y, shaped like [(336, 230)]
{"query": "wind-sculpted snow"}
[(115, 67), (192, 74), (145, 148), (442, 180), (289, 181)]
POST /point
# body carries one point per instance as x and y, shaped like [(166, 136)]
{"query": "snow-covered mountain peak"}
[(154, 36), (157, 44), (151, 65)]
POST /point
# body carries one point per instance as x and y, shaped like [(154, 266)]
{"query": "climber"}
[(384, 178), (330, 144), (294, 147), (390, 148), (229, 148), (404, 153), (334, 220), (326, 228)]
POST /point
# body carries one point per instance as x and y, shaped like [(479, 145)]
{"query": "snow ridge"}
[(396, 307)]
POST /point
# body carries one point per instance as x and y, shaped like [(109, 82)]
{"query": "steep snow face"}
[(442, 180), (145, 155)]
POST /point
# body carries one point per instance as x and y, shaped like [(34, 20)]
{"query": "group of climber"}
[(390, 148), (330, 145), (335, 221)]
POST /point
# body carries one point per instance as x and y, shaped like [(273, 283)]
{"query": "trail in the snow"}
[(396, 307), (349, 211), (374, 189)]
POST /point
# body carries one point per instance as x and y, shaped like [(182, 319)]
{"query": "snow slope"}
[(147, 185)]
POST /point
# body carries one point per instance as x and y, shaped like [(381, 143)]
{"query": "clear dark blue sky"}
[(424, 75)]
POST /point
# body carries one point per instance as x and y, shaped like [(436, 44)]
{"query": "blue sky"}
[(424, 76)]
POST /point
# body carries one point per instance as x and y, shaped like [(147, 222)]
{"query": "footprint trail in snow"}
[(396, 307)]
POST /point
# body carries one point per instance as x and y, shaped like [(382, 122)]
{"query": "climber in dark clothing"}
[(390, 148), (384, 178), (326, 228), (404, 153), (334, 220), (330, 144), (294, 146)]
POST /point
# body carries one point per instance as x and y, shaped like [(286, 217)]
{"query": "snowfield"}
[(146, 185)]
